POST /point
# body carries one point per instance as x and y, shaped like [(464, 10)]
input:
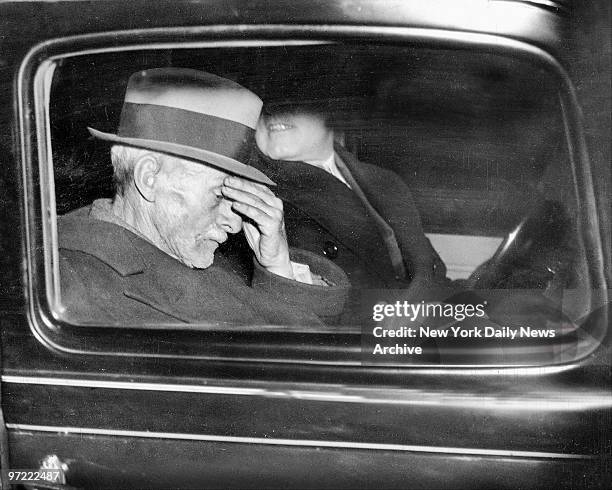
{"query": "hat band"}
[(179, 126)]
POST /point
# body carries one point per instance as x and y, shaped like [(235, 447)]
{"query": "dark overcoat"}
[(109, 274), (326, 217)]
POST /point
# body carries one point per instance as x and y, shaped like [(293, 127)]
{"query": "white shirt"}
[(329, 165)]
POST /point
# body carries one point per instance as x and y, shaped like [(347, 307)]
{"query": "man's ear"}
[(146, 173)]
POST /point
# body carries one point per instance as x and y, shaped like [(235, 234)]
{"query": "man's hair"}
[(123, 159)]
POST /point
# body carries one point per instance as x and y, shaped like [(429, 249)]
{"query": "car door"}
[(150, 406)]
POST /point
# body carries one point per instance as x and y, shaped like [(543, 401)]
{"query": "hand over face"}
[(265, 231)]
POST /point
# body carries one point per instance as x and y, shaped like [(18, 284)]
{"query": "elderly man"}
[(359, 215), (148, 255)]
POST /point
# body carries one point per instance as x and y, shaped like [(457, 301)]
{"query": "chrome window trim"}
[(299, 442), (574, 402), (42, 324)]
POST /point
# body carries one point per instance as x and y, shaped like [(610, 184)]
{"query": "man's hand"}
[(266, 233)]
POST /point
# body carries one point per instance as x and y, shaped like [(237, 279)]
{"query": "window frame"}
[(33, 84)]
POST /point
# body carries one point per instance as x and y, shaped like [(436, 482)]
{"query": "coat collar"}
[(77, 228), (129, 255), (149, 275), (342, 213)]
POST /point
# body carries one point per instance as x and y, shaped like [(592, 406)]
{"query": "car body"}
[(129, 406)]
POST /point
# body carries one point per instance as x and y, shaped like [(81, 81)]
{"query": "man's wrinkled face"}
[(190, 213), (295, 134)]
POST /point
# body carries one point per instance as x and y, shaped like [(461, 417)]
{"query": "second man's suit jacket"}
[(325, 216)]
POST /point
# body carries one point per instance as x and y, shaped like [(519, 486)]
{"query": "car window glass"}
[(479, 141)]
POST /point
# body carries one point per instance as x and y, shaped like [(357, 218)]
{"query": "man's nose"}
[(229, 221)]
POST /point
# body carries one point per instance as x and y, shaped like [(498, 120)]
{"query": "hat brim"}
[(203, 156), (328, 103)]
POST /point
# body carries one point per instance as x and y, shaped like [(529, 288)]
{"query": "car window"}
[(479, 142)]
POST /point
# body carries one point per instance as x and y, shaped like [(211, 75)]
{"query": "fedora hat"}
[(190, 114)]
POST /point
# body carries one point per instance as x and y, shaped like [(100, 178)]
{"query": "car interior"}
[(479, 140)]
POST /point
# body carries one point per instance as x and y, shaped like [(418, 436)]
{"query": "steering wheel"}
[(537, 254)]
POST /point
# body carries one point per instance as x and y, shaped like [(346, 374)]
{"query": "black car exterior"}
[(131, 407)]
